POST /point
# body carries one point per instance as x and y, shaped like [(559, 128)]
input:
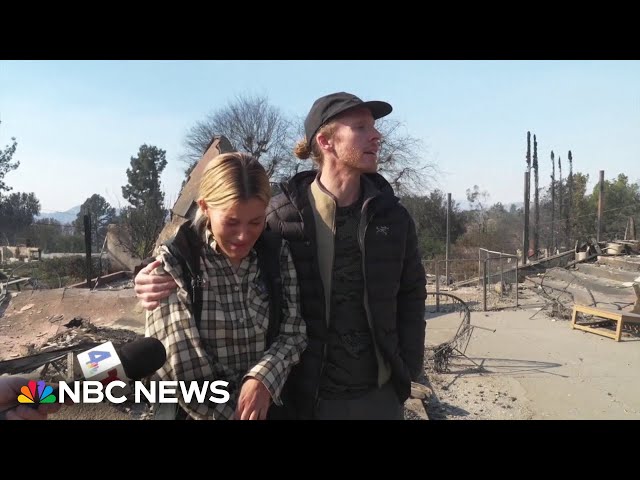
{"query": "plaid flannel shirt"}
[(230, 344)]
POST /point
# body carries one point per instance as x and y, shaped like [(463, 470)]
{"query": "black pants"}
[(378, 404)]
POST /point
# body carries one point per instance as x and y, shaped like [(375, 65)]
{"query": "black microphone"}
[(131, 361), (138, 359), (141, 358)]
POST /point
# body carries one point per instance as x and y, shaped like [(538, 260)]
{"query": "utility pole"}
[(525, 246), (600, 203), (446, 254), (87, 247)]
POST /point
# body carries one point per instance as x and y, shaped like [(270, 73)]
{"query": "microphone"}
[(106, 363), (131, 361), (141, 358)]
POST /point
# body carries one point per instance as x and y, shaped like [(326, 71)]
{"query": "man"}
[(361, 277)]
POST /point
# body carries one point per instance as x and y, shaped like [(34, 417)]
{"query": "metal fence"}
[(459, 329), (488, 283), (499, 279), (459, 276)]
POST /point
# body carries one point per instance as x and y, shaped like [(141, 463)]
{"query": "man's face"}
[(356, 141)]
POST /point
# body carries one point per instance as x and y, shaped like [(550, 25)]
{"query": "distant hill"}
[(63, 217)]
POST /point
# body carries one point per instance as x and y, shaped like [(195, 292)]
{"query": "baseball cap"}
[(327, 107)]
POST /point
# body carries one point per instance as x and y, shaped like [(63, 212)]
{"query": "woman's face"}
[(236, 227)]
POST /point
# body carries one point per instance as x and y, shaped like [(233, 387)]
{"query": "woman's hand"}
[(254, 401)]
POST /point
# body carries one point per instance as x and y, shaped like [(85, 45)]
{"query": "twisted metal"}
[(440, 355)]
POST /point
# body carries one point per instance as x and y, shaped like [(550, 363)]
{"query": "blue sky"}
[(78, 122)]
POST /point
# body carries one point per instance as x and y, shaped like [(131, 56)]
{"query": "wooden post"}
[(517, 295), (446, 252), (70, 367), (600, 203), (437, 286), (525, 241), (87, 247), (484, 288)]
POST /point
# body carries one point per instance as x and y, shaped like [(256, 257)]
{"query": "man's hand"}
[(150, 287), (254, 401), (9, 391)]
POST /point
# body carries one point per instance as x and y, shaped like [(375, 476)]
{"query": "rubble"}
[(54, 361), (79, 335)]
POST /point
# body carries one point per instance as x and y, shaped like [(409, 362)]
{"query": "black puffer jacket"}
[(394, 279)]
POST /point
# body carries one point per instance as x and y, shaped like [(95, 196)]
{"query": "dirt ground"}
[(33, 316), (533, 366), (465, 393), (32, 320)]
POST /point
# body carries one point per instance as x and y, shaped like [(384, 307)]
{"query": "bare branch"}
[(252, 125), (401, 160)]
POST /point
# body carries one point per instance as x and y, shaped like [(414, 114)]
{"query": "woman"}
[(216, 325)]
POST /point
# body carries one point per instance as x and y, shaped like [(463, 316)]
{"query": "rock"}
[(416, 407), (419, 391), (26, 350)]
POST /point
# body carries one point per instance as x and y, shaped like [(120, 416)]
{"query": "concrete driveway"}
[(535, 367)]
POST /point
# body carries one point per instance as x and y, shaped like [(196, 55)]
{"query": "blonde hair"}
[(231, 177), (304, 150)]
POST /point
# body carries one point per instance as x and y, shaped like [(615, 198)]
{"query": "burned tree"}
[(553, 202), (400, 160), (569, 209), (252, 125), (527, 193), (536, 198), (560, 194)]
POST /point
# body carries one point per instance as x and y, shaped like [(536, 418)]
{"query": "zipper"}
[(323, 363), (361, 234)]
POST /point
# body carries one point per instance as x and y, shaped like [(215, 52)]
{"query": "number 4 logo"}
[(96, 356)]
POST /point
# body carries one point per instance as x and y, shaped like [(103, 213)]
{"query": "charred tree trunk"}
[(569, 209), (536, 198), (527, 198), (560, 200), (553, 203)]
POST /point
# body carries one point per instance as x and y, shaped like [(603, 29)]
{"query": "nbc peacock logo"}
[(36, 393)]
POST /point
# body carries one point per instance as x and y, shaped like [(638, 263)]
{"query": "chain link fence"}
[(458, 276), (499, 279)]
